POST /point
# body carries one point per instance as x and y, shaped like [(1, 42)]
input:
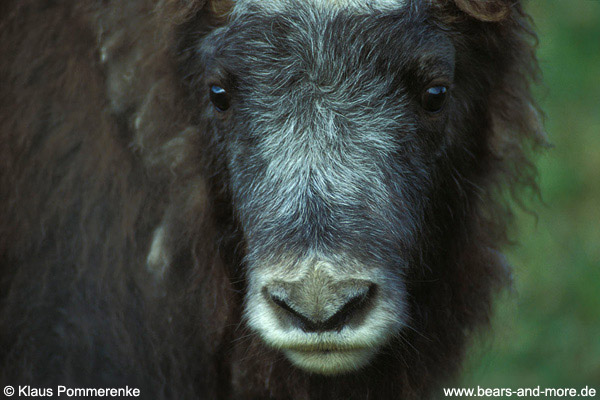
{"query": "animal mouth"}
[(325, 319), (329, 361)]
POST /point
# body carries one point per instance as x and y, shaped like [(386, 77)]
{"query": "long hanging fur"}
[(99, 144)]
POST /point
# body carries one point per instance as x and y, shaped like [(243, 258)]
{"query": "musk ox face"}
[(238, 201), (330, 120)]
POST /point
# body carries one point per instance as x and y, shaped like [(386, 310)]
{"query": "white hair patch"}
[(352, 5), (158, 258)]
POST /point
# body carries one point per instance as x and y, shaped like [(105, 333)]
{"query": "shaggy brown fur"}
[(98, 145)]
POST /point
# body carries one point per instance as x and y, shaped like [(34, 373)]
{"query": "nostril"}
[(352, 304), (283, 304), (301, 320)]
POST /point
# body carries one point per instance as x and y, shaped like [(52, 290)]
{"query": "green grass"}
[(547, 332)]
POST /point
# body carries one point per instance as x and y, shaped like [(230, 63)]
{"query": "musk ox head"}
[(315, 186), (357, 142)]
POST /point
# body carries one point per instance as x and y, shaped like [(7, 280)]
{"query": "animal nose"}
[(320, 306)]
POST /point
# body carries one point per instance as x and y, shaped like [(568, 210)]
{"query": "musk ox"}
[(257, 198)]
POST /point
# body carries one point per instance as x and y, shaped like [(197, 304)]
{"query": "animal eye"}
[(220, 98), (433, 98)]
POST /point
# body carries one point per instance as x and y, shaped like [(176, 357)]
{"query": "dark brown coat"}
[(83, 185)]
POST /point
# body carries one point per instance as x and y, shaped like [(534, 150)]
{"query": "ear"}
[(486, 10), (219, 10), (497, 35), (181, 11)]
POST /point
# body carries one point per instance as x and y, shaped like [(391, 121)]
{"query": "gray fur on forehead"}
[(353, 5), (337, 52)]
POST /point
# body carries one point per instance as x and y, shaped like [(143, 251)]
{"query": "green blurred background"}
[(547, 332)]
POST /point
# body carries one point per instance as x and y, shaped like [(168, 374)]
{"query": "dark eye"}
[(433, 98), (220, 98)]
